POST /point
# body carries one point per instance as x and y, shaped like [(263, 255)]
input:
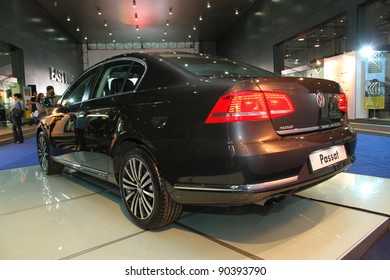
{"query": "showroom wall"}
[(255, 36), (43, 43)]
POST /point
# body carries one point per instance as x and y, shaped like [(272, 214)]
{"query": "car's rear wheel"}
[(48, 165), (144, 193)]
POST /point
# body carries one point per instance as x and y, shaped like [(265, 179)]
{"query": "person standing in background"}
[(17, 120), (49, 100), (40, 106), (32, 102)]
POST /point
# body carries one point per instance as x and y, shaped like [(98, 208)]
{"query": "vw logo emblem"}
[(320, 98)]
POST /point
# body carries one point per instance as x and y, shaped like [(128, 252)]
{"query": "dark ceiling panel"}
[(153, 15)]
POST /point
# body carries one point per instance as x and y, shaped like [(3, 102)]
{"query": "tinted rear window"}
[(209, 66)]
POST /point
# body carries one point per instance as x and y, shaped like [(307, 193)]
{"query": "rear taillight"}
[(279, 104), (343, 103), (250, 106)]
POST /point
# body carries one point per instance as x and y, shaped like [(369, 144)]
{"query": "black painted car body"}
[(173, 129)]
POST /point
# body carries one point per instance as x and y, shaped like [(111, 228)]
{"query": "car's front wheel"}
[(144, 193), (48, 165)]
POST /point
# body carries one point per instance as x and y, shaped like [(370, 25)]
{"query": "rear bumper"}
[(259, 170), (229, 195)]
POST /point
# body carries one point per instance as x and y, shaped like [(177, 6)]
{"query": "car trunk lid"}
[(317, 104)]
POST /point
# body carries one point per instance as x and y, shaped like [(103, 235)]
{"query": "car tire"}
[(144, 193), (48, 165)]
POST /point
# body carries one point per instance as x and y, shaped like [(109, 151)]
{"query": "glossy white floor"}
[(72, 216)]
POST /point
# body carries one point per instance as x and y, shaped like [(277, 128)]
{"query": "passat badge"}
[(320, 98)]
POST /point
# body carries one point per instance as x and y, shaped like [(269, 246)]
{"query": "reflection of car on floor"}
[(173, 129)]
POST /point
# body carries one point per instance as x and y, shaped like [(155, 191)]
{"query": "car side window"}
[(113, 79), (79, 89), (135, 74)]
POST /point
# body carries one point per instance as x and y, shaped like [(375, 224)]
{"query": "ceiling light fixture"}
[(167, 22), (165, 32), (189, 36), (55, 3), (137, 27), (78, 29), (194, 27), (105, 24), (85, 38), (134, 4), (139, 37), (68, 18), (136, 16), (110, 33), (170, 11), (200, 17), (99, 12), (208, 5), (236, 12)]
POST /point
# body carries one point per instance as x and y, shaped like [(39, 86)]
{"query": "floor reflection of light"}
[(368, 188)]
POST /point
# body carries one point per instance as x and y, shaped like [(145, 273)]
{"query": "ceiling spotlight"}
[(134, 4), (137, 27), (189, 36), (85, 38), (165, 32), (105, 24), (136, 16), (163, 39), (301, 39), (139, 37), (236, 12), (194, 27), (200, 17), (167, 22), (78, 29), (68, 18), (55, 3), (113, 41), (170, 10), (208, 5), (110, 33), (317, 45), (99, 12)]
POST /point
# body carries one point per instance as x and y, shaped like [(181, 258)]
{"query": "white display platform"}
[(72, 216)]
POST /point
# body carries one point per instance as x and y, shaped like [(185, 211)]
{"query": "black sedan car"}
[(175, 129)]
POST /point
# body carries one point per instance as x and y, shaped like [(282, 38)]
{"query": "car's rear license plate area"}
[(327, 157)]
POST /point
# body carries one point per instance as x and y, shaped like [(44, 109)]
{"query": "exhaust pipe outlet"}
[(271, 200)]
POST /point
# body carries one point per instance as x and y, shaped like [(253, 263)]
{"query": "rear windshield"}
[(211, 66)]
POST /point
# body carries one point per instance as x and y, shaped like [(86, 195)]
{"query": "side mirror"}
[(62, 109)]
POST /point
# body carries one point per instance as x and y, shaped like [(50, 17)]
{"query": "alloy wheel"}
[(138, 188), (42, 153)]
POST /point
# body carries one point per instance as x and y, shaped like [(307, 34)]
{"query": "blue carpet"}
[(372, 155), (19, 155)]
